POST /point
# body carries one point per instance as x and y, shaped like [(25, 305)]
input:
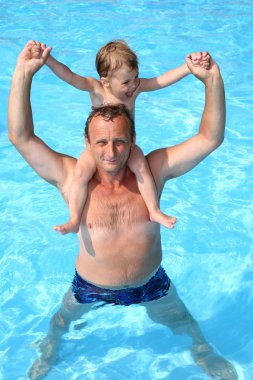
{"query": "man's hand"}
[(201, 59), (33, 57), (201, 71)]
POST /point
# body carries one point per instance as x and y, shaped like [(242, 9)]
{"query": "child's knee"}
[(137, 160)]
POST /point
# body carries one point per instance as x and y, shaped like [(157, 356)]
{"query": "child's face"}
[(123, 83)]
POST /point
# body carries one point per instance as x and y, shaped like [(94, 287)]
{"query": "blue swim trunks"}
[(157, 287)]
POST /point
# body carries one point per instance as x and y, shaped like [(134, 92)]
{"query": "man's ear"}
[(133, 142), (87, 143), (105, 81)]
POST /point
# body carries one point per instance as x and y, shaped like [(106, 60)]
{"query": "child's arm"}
[(164, 80), (63, 72), (172, 76)]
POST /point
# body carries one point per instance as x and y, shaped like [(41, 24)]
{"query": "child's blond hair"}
[(113, 55)]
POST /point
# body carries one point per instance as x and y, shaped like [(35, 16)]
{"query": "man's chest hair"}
[(115, 212)]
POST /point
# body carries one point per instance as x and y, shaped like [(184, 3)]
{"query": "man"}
[(120, 248)]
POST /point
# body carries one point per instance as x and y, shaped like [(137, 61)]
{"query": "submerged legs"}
[(70, 311), (171, 311)]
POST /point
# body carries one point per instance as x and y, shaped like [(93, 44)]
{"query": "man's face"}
[(110, 143)]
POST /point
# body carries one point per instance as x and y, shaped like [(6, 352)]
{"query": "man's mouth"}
[(111, 161)]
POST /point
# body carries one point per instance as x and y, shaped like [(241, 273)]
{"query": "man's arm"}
[(177, 160), (63, 72), (46, 162)]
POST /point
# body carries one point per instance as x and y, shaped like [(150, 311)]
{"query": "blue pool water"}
[(208, 255)]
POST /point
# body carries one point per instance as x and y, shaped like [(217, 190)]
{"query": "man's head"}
[(110, 136), (110, 112)]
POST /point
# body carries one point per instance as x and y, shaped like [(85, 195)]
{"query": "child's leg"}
[(84, 170), (139, 166)]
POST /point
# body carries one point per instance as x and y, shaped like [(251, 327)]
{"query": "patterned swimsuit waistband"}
[(136, 285)]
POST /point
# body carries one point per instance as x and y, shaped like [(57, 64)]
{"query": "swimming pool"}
[(209, 254)]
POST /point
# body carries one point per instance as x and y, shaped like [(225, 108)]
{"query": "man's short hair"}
[(110, 112)]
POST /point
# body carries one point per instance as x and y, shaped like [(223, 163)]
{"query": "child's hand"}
[(201, 73), (205, 60), (200, 59), (33, 56)]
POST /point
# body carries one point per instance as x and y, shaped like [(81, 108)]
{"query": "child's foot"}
[(161, 218), (67, 228)]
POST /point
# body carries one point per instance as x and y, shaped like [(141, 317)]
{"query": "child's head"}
[(112, 56)]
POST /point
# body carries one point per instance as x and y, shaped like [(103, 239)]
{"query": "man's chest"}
[(113, 210)]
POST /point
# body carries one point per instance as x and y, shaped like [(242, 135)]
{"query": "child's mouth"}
[(129, 94)]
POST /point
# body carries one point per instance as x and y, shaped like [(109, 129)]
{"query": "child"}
[(117, 66)]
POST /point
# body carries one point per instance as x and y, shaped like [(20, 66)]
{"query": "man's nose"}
[(110, 150)]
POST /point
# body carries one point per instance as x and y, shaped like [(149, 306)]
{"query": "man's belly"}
[(123, 257)]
